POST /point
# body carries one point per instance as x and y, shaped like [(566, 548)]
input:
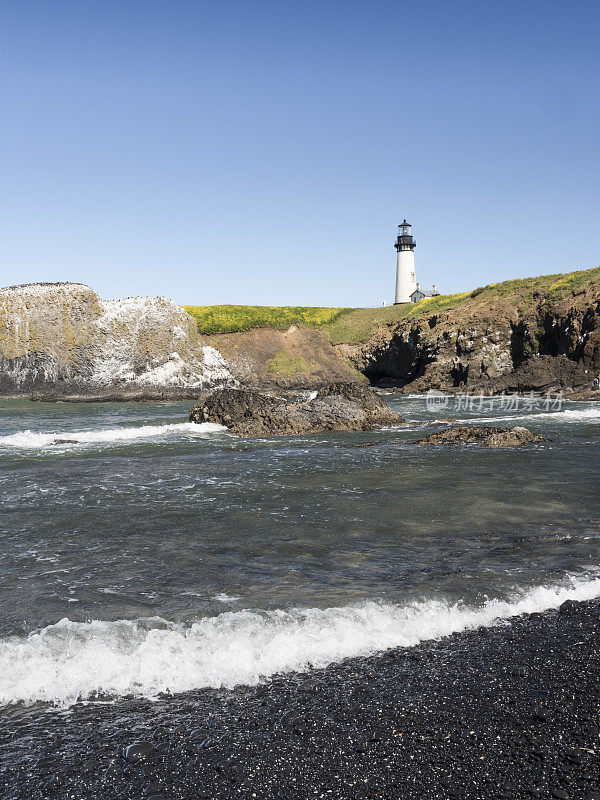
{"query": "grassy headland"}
[(523, 294), (356, 325)]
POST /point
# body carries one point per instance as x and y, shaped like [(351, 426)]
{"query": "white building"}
[(407, 288), (423, 294)]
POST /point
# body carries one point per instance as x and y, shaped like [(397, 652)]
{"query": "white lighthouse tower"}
[(406, 282)]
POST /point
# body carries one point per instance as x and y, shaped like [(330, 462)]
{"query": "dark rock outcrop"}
[(336, 407), (505, 338), (541, 374), (483, 435)]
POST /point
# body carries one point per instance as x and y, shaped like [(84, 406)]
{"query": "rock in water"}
[(483, 435), (337, 407)]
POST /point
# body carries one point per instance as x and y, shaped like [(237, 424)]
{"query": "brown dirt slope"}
[(296, 358)]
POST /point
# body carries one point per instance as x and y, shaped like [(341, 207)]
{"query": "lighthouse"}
[(406, 282)]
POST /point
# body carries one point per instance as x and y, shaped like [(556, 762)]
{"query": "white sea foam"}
[(71, 661), (566, 415), (223, 597), (35, 440)]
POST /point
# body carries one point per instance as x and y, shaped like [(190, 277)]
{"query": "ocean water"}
[(152, 555)]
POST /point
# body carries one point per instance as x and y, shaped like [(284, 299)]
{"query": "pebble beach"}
[(511, 711)]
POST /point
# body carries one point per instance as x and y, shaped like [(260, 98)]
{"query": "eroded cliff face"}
[(293, 359), (62, 339), (496, 348)]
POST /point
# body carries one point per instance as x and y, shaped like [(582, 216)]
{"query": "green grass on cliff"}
[(232, 319), (360, 324), (284, 364), (357, 325), (523, 294)]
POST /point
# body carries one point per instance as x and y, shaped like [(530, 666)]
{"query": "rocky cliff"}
[(63, 340), (536, 334)]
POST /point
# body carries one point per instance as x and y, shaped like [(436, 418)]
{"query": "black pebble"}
[(138, 751), (310, 685), (300, 728), (568, 607)]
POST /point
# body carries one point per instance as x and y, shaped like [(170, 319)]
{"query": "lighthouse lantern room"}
[(406, 282)]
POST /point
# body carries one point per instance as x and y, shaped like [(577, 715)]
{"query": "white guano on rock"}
[(63, 338)]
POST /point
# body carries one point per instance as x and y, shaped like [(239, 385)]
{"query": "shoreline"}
[(509, 711), (567, 394)]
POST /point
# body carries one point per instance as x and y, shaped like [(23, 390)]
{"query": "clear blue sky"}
[(264, 152)]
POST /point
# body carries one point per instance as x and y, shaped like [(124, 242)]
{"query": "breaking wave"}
[(70, 661), (33, 440), (567, 415)]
